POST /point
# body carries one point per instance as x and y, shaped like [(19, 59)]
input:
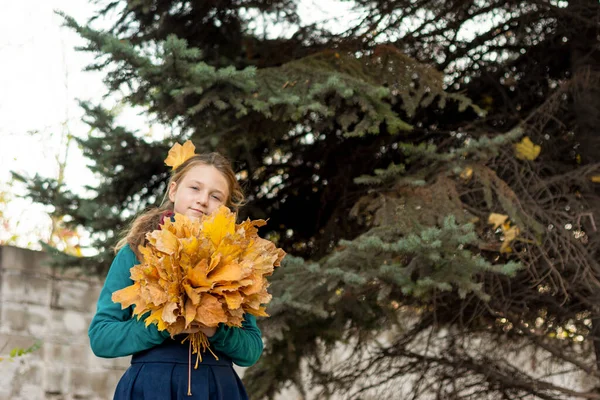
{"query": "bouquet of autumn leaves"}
[(201, 271)]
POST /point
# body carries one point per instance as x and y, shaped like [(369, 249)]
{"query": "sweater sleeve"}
[(112, 332), (243, 345)]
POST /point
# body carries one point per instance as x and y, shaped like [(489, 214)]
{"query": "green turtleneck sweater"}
[(114, 333)]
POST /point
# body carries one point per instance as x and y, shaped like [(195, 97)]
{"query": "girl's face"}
[(199, 192)]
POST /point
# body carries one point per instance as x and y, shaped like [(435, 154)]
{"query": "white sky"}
[(40, 79)]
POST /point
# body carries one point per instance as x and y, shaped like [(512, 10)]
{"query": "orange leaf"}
[(230, 272), (257, 312), (218, 225), (233, 299), (210, 311), (155, 294), (190, 312), (236, 317), (177, 327), (231, 286), (179, 154), (197, 275), (215, 259), (256, 285), (127, 296), (156, 316), (164, 241), (248, 227), (193, 296), (140, 308), (170, 313)]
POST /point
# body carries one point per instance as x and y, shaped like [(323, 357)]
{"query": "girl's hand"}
[(196, 327)]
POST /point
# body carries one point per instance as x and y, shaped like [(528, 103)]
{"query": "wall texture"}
[(54, 308)]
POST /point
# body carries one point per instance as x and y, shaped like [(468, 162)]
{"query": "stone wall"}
[(38, 303)]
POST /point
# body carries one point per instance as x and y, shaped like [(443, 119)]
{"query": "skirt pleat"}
[(161, 373)]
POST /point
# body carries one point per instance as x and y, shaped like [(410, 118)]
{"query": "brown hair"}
[(135, 234)]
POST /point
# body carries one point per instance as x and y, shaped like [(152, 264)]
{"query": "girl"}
[(159, 366)]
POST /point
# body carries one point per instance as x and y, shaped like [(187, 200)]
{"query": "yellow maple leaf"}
[(526, 150), (232, 286), (259, 311), (179, 154), (497, 219), (156, 317), (230, 272), (127, 296), (197, 276), (210, 312), (215, 260), (233, 299), (170, 312), (156, 293), (218, 225), (595, 178), (510, 234), (248, 227), (190, 311), (165, 242), (192, 294)]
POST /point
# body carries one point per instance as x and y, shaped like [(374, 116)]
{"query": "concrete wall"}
[(38, 303)]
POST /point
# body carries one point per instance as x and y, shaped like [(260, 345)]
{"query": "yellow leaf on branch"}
[(526, 150), (510, 232), (497, 219), (466, 173)]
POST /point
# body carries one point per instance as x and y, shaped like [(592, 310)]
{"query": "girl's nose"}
[(202, 198)]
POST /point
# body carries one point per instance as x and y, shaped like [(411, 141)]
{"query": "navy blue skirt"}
[(161, 373)]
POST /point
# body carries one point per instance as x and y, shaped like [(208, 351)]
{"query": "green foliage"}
[(18, 351), (436, 260)]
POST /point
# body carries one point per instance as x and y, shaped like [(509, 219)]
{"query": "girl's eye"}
[(194, 187), (216, 198)]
